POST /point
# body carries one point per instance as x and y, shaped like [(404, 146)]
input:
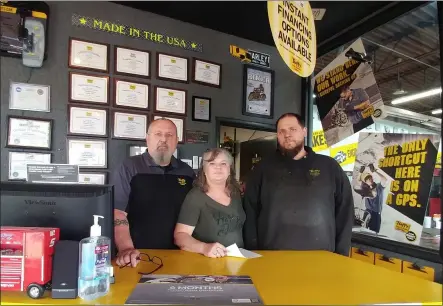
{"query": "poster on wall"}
[(347, 96), (391, 183), (293, 29), (258, 92)]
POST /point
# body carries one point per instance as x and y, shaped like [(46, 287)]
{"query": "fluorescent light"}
[(436, 111), (417, 96)]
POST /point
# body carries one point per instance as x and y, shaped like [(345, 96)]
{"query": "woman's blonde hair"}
[(232, 186)]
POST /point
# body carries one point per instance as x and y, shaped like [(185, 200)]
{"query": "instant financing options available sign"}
[(293, 29)]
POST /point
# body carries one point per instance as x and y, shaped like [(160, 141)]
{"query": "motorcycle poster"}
[(258, 99), (347, 95), (391, 182)]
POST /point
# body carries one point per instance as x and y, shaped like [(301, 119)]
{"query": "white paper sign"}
[(235, 251)]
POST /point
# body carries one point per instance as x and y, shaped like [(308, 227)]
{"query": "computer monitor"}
[(68, 207)]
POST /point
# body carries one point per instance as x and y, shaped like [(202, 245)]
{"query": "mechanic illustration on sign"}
[(356, 105), (372, 194)]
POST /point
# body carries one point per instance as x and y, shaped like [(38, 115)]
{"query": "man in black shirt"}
[(297, 199), (149, 190)]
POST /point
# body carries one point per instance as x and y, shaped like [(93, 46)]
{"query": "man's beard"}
[(162, 157), (291, 153)]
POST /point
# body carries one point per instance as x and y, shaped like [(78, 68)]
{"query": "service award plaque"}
[(25, 132), (132, 62), (31, 97), (172, 68), (201, 109), (131, 126), (131, 94), (87, 153), (87, 88), (206, 73), (87, 121), (88, 55), (170, 100)]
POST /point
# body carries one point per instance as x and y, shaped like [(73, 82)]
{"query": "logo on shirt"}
[(314, 172), (181, 181)]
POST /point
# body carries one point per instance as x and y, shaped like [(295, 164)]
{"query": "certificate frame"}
[(194, 108), (71, 133), (105, 69), (10, 153), (269, 96), (129, 107), (117, 72), (104, 77), (104, 141), (115, 111), (50, 123), (181, 135), (158, 110), (46, 108), (201, 82), (104, 174), (159, 54)]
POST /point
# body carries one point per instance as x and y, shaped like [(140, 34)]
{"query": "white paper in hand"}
[(235, 251)]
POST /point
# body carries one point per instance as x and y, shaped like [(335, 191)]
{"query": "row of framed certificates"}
[(18, 167), (94, 56)]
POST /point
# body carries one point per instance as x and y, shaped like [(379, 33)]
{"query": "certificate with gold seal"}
[(87, 153), (88, 55), (130, 126), (131, 94), (87, 121), (170, 100), (26, 132), (206, 73), (88, 88)]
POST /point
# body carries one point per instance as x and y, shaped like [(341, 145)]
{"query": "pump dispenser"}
[(95, 263)]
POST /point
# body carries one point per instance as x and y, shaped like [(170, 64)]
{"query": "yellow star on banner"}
[(82, 20), (194, 45)]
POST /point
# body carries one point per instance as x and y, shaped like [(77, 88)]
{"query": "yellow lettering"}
[(98, 23)]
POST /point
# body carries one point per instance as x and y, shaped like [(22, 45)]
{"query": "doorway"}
[(248, 143)]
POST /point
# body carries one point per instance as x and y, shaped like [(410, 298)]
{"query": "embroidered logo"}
[(314, 172), (182, 181)]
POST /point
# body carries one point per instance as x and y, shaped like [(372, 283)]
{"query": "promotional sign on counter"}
[(293, 29), (347, 96), (391, 183)]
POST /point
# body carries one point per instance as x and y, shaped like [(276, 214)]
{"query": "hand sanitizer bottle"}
[(95, 263)]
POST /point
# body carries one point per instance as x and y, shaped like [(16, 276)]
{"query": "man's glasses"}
[(146, 258)]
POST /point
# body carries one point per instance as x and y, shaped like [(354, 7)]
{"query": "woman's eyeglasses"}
[(146, 258)]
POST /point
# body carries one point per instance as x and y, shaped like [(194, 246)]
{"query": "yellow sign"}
[(344, 155), (293, 29), (438, 163), (402, 227), (319, 141)]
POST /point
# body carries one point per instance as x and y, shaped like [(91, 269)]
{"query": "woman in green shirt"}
[(212, 215)]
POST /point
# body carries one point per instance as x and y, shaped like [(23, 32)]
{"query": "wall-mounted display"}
[(32, 97), (131, 126), (258, 92), (131, 94), (87, 153), (87, 121), (172, 68), (88, 88), (84, 54), (206, 73), (201, 109), (170, 100), (145, 34), (179, 123), (25, 132), (132, 62), (19, 160), (92, 178), (251, 56)]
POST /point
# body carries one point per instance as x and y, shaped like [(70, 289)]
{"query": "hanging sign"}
[(293, 30), (130, 31)]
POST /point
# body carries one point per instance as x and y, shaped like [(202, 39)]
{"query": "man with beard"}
[(149, 190), (297, 199)]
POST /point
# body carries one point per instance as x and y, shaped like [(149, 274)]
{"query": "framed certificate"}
[(179, 123), (19, 160), (201, 109), (130, 126), (92, 178), (170, 100), (87, 121), (132, 62), (25, 132), (84, 54), (87, 153), (206, 73), (88, 88), (129, 94), (258, 92), (172, 68), (31, 97)]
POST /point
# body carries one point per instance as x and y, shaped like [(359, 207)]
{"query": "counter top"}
[(281, 277)]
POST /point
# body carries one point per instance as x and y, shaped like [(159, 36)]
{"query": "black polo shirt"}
[(151, 195)]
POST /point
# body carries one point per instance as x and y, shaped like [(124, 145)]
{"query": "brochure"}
[(194, 290)]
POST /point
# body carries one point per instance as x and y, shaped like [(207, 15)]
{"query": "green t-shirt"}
[(213, 221)]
